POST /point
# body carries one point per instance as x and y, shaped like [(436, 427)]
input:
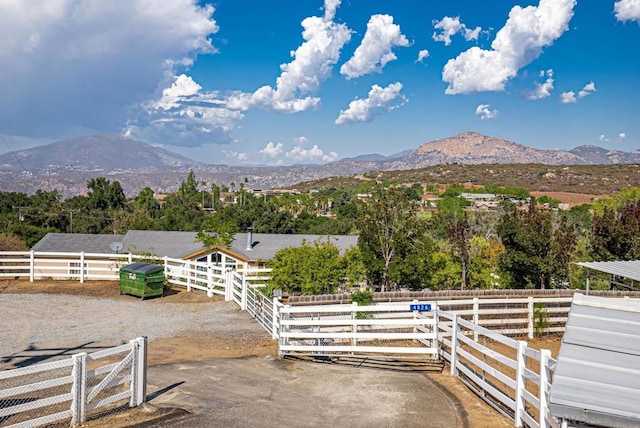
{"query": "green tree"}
[(308, 269), (459, 234), (217, 232), (536, 252), (389, 228), (615, 234)]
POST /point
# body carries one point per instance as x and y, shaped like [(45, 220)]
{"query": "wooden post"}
[(476, 317), (545, 383), (454, 346), (209, 281), (274, 318), (81, 267), (521, 383), (243, 300), (32, 266), (531, 315), (79, 389)]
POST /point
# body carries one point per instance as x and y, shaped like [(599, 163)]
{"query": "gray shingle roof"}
[(160, 243), (265, 245), (76, 243), (178, 244)]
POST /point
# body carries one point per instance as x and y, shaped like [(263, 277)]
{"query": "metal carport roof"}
[(597, 378), (627, 269)]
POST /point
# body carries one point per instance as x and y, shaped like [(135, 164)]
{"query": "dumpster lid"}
[(141, 267)]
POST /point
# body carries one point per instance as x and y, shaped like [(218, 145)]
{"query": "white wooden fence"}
[(334, 330), (74, 389), (470, 334), (510, 376)]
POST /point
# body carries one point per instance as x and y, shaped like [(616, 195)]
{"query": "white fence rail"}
[(470, 334), (357, 330), (74, 389), (505, 372)]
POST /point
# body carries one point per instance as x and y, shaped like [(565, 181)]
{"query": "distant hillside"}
[(102, 152), (67, 165), (577, 179)]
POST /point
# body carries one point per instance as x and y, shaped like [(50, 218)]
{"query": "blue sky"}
[(307, 81)]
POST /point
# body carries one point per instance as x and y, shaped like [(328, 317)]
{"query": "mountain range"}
[(67, 165)]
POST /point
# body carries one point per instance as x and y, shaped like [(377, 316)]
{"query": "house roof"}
[(597, 379), (183, 244), (264, 246), (76, 243), (161, 243)]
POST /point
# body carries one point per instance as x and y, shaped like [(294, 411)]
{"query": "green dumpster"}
[(142, 279)]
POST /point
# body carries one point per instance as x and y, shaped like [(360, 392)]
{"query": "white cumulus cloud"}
[(379, 100), (517, 44), (622, 136), (314, 154), (603, 138), (301, 140), (312, 62), (450, 26), (272, 150), (485, 112), (82, 64), (375, 50), (422, 55), (568, 97), (588, 89), (542, 90), (627, 10), (184, 115)]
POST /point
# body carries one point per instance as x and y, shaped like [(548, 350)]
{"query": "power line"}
[(13, 153)]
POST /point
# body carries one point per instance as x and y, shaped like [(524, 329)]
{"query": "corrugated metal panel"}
[(627, 269), (597, 380)]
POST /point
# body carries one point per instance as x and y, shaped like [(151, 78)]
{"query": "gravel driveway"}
[(35, 327)]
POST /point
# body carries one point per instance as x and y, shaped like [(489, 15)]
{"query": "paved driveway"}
[(271, 392)]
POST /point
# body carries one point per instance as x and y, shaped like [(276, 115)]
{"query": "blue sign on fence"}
[(420, 307)]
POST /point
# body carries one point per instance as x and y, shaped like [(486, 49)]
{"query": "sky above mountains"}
[(290, 81)]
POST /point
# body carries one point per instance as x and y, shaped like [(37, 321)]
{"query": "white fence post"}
[(521, 383), (454, 346), (78, 389), (354, 325), (545, 383), (130, 258), (530, 309), (274, 319), (228, 286), (209, 281), (138, 388), (476, 317), (165, 261), (243, 300), (81, 267), (32, 266)]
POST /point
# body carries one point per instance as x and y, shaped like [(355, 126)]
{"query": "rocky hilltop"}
[(475, 148), (67, 165)]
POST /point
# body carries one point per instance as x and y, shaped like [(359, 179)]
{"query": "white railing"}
[(505, 372), (357, 330), (74, 389), (513, 316)]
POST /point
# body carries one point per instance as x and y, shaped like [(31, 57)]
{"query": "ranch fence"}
[(336, 330), (74, 390), (474, 336)]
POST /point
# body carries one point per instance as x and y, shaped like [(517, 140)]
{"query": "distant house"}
[(248, 250)]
